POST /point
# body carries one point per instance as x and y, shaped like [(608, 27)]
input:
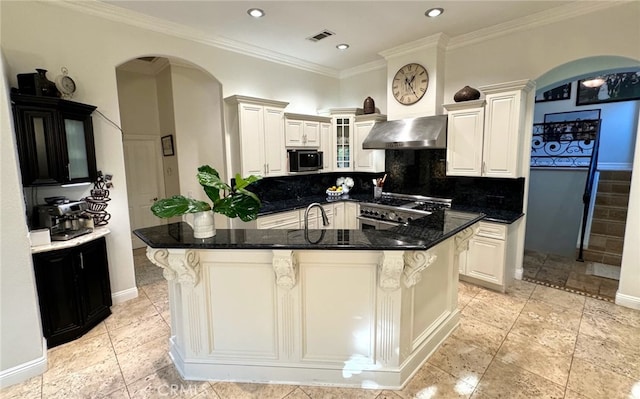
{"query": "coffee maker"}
[(62, 219)]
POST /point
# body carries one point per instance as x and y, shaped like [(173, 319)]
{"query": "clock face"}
[(410, 84), (68, 84)]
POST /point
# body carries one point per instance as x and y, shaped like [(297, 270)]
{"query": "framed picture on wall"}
[(167, 145), (562, 92), (623, 86), (587, 114)]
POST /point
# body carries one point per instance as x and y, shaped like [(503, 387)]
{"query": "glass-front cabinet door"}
[(77, 160), (344, 156), (55, 140), (37, 147)]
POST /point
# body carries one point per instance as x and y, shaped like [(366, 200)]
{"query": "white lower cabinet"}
[(342, 215), (315, 217), (345, 215), (490, 257), (280, 220)]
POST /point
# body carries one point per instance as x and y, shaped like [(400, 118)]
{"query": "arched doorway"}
[(171, 114), (555, 194)]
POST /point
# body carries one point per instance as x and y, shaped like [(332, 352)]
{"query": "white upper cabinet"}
[(465, 131), (326, 146), (294, 132), (311, 134), (256, 136), (367, 160), (304, 131), (489, 139)]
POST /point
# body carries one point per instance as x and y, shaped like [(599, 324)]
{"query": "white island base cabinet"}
[(348, 318)]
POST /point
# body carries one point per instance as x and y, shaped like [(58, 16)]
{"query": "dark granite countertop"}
[(421, 234), (491, 215)]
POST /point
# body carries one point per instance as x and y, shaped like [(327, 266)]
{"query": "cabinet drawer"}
[(278, 220), (492, 230)]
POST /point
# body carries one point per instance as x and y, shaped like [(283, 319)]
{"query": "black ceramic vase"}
[(369, 106), (466, 94), (47, 87)]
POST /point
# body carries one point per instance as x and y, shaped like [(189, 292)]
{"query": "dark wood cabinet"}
[(73, 290), (55, 140)]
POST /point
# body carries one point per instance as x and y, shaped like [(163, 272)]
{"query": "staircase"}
[(609, 218)]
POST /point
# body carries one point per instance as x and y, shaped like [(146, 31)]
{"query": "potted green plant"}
[(230, 201)]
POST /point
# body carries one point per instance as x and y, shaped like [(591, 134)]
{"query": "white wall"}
[(355, 89), (21, 339), (167, 126), (199, 129), (555, 210), (138, 103)]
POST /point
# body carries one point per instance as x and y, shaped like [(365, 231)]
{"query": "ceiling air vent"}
[(319, 36)]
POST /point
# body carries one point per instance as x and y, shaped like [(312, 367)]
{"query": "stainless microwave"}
[(304, 160)]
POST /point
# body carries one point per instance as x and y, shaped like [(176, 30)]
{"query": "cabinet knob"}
[(154, 199)]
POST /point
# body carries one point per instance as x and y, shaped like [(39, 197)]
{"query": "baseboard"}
[(518, 274), (125, 295), (626, 166), (628, 301), (24, 371)]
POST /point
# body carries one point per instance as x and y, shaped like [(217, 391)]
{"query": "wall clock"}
[(410, 83), (65, 84)]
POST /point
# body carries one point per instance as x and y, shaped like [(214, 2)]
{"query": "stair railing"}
[(588, 189)]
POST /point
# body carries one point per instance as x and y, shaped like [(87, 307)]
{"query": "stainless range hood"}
[(415, 133)]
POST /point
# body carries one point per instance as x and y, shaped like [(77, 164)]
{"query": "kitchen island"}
[(318, 307)]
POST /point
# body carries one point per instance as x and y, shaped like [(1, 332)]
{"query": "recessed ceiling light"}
[(434, 12), (342, 46), (255, 12)]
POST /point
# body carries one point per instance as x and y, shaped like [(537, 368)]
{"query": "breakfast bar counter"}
[(337, 307)]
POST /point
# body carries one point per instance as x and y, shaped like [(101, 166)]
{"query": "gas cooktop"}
[(402, 208)]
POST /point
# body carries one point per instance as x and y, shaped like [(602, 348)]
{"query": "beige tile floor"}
[(533, 342), (568, 274)]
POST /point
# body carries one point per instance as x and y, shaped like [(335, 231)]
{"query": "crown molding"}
[(117, 14), (368, 67), (438, 40), (139, 20), (552, 15)]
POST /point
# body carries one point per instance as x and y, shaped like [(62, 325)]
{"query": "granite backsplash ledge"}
[(281, 188)]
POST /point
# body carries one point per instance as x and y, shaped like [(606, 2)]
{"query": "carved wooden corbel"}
[(415, 263), (390, 266), (285, 266), (183, 265)]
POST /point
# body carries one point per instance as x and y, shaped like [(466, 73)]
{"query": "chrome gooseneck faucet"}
[(325, 219)]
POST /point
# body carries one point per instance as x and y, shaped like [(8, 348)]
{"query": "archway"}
[(172, 122), (544, 185)]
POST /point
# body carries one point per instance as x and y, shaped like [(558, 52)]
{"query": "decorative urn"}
[(466, 94)]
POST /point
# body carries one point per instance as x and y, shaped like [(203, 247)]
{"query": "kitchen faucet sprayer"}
[(325, 219)]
